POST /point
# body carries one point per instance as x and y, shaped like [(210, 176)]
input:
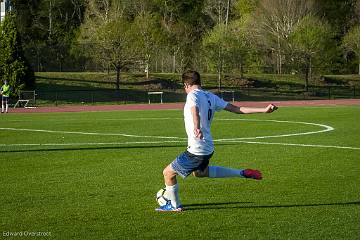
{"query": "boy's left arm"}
[(196, 120), (248, 110)]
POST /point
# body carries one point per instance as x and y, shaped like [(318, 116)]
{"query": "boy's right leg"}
[(172, 190)]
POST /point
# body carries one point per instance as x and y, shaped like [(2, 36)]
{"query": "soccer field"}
[(94, 175)]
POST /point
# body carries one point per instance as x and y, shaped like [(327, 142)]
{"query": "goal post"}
[(27, 99)]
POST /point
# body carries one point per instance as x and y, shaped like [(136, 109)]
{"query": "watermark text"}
[(26, 234)]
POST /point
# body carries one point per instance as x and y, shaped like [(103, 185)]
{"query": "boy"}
[(199, 111)]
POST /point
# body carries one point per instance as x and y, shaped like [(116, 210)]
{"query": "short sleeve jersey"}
[(207, 103), (5, 90)]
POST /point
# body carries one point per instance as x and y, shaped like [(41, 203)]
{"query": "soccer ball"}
[(161, 198)]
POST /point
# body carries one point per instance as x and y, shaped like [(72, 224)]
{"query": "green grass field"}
[(94, 175)]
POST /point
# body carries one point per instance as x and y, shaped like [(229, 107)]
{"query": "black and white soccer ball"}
[(161, 198)]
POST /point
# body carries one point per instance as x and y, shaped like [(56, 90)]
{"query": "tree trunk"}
[(220, 66), (162, 64), (50, 19), (227, 13), (241, 69), (310, 68), (307, 79), (280, 63), (219, 81), (174, 63), (148, 56), (307, 73), (38, 58), (279, 51), (118, 70)]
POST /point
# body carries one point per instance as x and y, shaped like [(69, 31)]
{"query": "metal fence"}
[(232, 94)]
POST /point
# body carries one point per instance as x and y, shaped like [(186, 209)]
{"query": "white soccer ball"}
[(161, 198)]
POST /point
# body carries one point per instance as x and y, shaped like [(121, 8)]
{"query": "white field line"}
[(297, 145), (87, 144), (88, 133), (103, 119), (182, 140), (326, 129)]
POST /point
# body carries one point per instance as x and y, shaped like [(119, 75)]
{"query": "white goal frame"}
[(26, 97)]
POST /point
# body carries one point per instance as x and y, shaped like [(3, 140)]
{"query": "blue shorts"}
[(5, 98), (186, 163)]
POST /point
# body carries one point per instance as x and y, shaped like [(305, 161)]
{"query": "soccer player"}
[(199, 112), (5, 92)]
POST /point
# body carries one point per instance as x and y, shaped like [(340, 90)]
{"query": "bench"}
[(156, 93), (229, 91)]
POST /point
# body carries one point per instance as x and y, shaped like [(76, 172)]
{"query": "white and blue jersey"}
[(207, 104)]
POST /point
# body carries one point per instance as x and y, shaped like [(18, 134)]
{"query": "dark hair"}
[(191, 77)]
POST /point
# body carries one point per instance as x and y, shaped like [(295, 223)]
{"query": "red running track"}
[(127, 107)]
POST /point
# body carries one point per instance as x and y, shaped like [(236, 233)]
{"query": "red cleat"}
[(251, 173)]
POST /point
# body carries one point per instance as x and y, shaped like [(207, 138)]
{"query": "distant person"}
[(5, 92), (199, 111)]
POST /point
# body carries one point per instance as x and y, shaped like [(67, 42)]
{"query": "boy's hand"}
[(198, 133)]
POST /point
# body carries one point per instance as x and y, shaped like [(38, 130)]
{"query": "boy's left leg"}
[(222, 172)]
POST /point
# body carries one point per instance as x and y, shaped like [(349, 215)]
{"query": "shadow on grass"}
[(240, 205), (88, 148)]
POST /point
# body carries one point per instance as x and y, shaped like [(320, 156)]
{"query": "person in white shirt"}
[(199, 111)]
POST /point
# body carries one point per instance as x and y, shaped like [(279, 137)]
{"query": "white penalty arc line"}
[(87, 144), (89, 133), (326, 128), (296, 145)]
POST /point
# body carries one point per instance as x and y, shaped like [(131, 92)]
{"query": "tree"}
[(341, 15), (110, 35), (274, 21), (310, 39), (238, 43), (48, 20), (219, 11), (184, 24), (351, 43), (246, 7), (48, 29), (149, 36), (13, 65), (217, 39), (213, 45), (234, 47)]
